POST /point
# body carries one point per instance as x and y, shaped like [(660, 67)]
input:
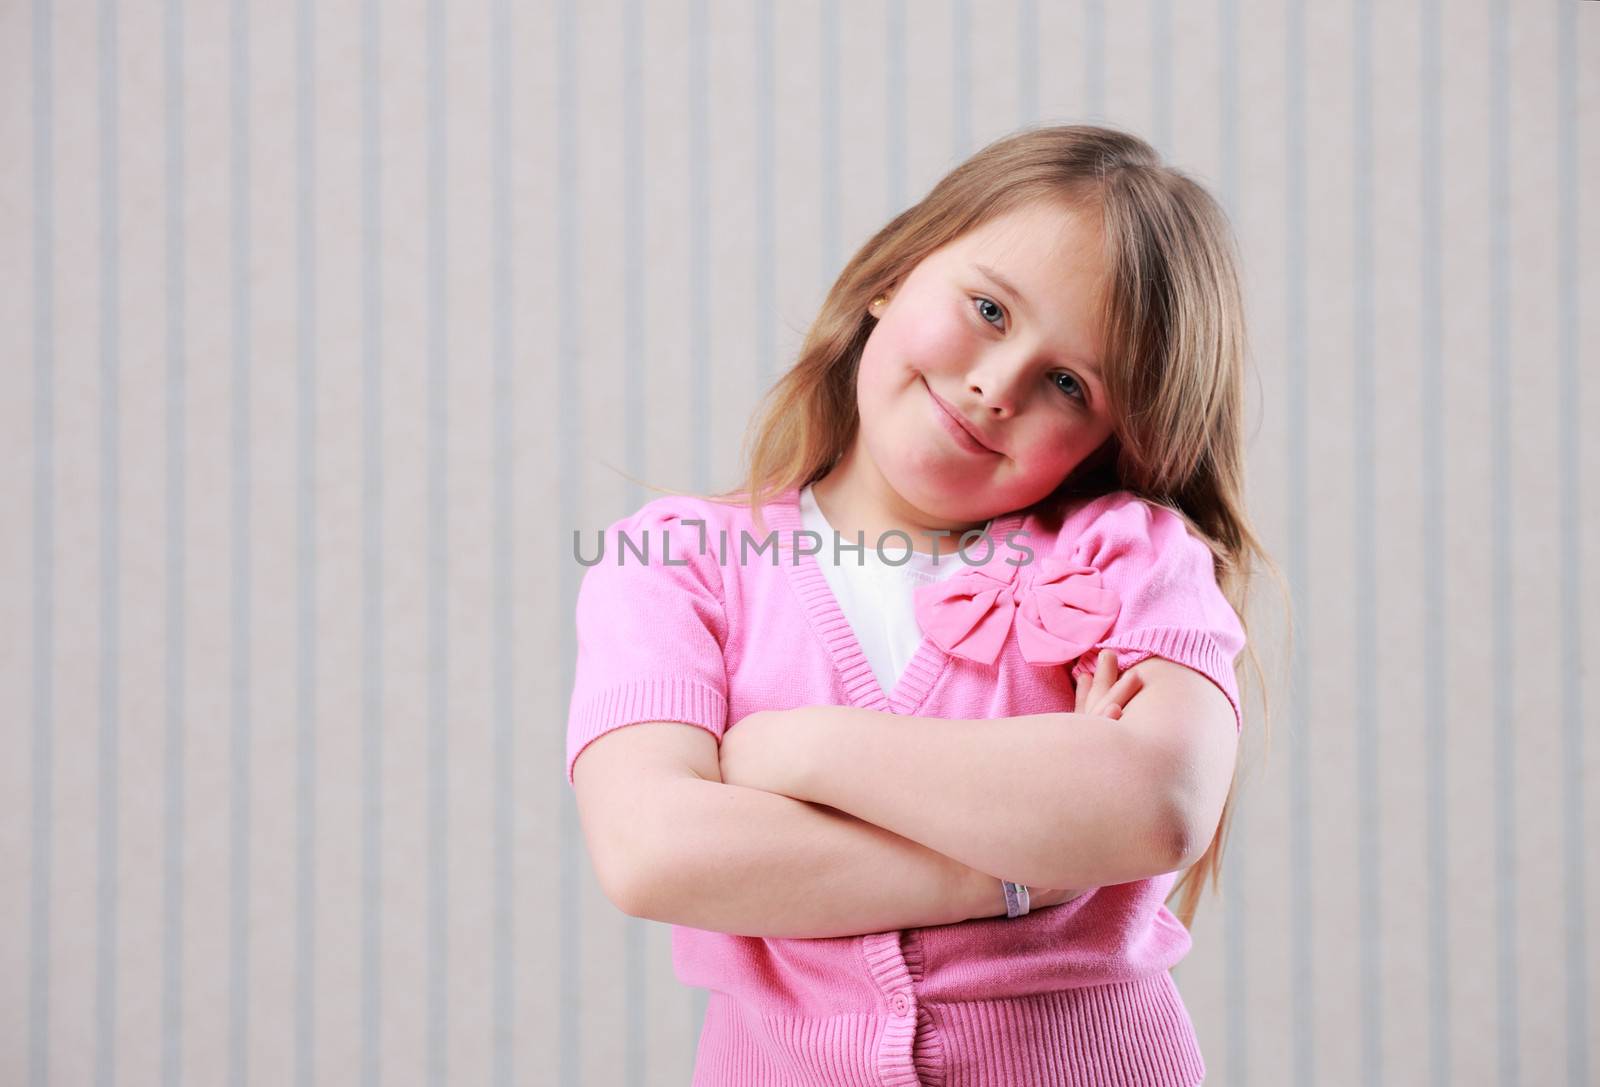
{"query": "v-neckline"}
[(861, 683)]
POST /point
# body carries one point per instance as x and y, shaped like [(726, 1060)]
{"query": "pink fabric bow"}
[(1059, 614)]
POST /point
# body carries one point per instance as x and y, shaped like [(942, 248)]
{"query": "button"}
[(901, 1004)]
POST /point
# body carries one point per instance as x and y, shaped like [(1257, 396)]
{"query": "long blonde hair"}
[(1174, 365)]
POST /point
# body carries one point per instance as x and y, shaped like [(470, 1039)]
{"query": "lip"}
[(958, 428)]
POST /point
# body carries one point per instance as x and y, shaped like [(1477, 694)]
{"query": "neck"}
[(854, 497)]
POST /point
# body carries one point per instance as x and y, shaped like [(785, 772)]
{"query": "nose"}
[(1000, 410), (996, 389)]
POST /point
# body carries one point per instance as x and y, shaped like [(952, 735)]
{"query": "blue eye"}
[(1076, 384), (1082, 395), (984, 301)]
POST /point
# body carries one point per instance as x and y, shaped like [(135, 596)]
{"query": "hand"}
[(762, 751), (1107, 695), (1043, 896)]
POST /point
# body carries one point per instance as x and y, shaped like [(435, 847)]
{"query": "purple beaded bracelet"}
[(1016, 898)]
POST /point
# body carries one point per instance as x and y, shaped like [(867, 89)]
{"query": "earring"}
[(878, 301)]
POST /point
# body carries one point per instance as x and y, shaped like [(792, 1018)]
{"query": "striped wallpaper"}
[(326, 324)]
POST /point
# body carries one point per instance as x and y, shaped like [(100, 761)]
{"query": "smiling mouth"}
[(957, 427)]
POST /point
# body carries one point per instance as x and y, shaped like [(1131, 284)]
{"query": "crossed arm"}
[(829, 823), (1050, 800)]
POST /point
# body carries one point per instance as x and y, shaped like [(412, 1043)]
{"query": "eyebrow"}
[(1007, 286)]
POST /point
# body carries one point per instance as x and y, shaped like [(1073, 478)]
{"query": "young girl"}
[(967, 636)]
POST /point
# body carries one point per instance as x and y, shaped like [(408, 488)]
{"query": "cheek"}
[(937, 339), (1056, 450), (875, 376)]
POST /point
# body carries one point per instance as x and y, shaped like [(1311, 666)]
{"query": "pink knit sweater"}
[(1072, 994)]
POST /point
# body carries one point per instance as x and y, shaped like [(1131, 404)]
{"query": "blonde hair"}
[(1173, 367)]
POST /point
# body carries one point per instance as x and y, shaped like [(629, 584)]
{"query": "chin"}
[(954, 502)]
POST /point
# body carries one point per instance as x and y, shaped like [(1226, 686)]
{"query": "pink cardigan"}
[(1072, 994)]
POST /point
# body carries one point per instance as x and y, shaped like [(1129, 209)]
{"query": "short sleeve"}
[(1165, 580), (650, 628)]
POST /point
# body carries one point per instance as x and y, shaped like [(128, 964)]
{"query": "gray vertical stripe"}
[(1435, 689), (372, 552), (635, 930), (828, 160), (1297, 477), (699, 263), (1364, 403), (961, 80), (438, 562), (766, 216), (895, 80), (239, 592), (44, 542), (1161, 74), (305, 974), (176, 564), (504, 1009), (1094, 53), (568, 411), (110, 558), (1027, 62), (1502, 613), (1235, 874), (1576, 958), (828, 141), (634, 280)]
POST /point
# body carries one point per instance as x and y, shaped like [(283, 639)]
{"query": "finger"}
[(1105, 673), (1124, 689), (1114, 712), (1081, 700)]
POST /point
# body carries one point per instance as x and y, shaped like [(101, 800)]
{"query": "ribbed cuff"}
[(656, 699), (1184, 645)]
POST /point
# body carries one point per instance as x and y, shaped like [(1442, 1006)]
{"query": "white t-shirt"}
[(876, 597)]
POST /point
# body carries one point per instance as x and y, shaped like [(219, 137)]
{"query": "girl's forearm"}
[(1052, 799), (753, 863)]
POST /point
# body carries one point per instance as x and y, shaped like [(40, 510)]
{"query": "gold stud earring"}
[(878, 301)]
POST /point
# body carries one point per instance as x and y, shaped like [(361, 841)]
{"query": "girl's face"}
[(996, 334)]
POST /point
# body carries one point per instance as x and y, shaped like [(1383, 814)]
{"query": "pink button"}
[(900, 1003)]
